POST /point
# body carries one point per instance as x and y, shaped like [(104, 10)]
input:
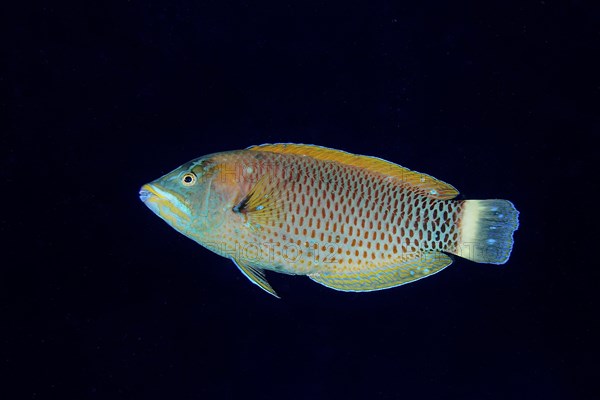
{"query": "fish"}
[(349, 222)]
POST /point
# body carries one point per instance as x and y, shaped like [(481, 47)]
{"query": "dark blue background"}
[(101, 300)]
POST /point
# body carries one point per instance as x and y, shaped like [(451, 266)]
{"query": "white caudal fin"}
[(487, 228)]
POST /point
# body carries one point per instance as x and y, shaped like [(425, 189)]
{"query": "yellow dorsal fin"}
[(426, 184)]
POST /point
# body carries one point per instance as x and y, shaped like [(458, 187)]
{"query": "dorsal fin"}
[(428, 185)]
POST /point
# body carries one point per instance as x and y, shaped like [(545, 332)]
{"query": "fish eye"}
[(188, 179)]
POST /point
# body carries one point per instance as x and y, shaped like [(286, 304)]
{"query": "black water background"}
[(101, 300)]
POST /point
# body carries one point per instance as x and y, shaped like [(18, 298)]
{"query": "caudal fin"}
[(487, 228)]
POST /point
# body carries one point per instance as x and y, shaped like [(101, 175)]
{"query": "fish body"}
[(349, 222)]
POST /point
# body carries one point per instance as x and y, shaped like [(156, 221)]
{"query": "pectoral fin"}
[(385, 277), (256, 276), (262, 206)]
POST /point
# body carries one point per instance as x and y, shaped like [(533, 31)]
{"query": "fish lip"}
[(162, 200), (146, 193)]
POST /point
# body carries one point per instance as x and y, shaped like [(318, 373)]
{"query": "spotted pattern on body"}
[(337, 217)]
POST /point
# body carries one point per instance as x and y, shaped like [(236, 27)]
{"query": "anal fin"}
[(256, 276), (385, 277)]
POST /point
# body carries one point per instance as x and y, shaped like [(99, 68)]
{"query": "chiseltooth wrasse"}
[(349, 222)]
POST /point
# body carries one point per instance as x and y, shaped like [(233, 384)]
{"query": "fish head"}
[(187, 199)]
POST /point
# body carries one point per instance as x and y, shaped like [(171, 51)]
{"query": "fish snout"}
[(146, 193)]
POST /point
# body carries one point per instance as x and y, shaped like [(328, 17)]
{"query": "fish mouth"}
[(168, 205), (146, 193), (151, 198)]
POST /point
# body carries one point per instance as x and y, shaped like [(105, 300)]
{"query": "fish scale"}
[(349, 222), (356, 219)]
